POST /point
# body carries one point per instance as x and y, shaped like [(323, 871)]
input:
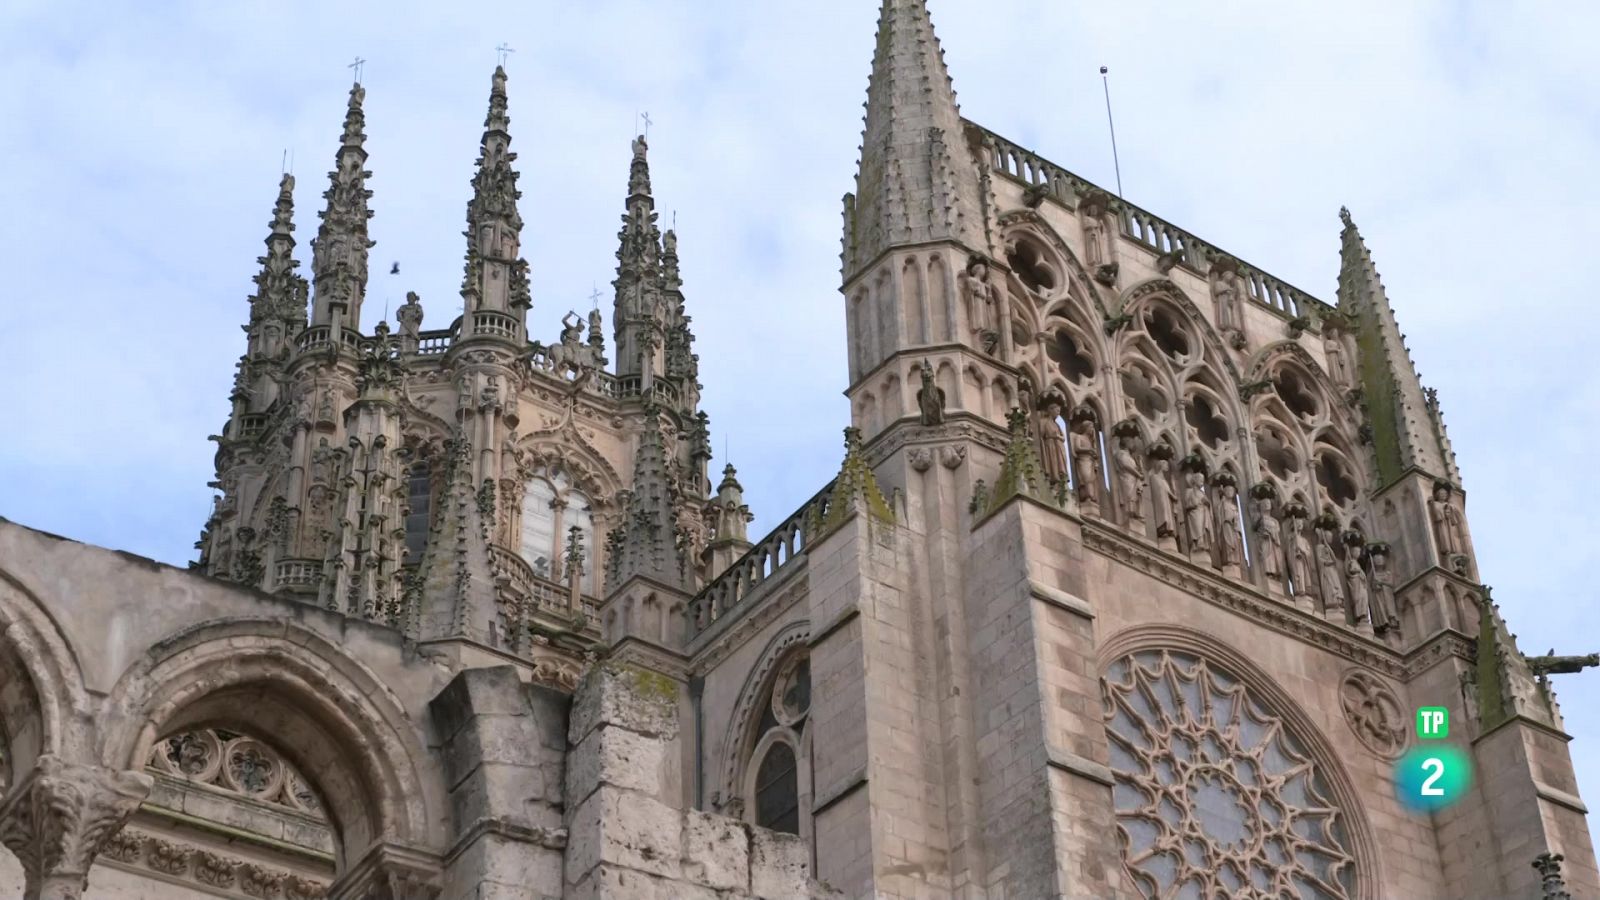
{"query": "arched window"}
[(778, 773), (418, 511), (551, 507)]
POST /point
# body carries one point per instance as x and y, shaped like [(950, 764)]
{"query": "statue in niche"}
[(1196, 511), (489, 397), (930, 397), (1331, 573), (1052, 442), (983, 303), (1231, 545), (410, 316), (1447, 525), (325, 406), (1300, 554), (1094, 237), (322, 463), (1383, 603), (1085, 443), (1130, 477), (1360, 593), (1269, 538), (1338, 364), (1163, 499)]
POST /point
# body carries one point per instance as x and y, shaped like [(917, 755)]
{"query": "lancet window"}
[(552, 506), (778, 773)]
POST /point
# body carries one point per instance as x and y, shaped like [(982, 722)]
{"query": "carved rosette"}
[(1373, 713), (61, 818)]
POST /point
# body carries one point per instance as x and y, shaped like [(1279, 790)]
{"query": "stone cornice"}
[(198, 869), (1243, 599), (958, 426), (1442, 645)]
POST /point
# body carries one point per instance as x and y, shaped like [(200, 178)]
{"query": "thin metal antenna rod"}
[(1105, 82)]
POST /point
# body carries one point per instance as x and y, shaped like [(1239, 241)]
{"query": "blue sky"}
[(142, 148)]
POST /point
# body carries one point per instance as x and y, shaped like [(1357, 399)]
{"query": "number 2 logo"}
[(1436, 766)]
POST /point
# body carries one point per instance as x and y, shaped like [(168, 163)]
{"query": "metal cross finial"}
[(502, 51), (646, 117), (356, 67), (594, 296)]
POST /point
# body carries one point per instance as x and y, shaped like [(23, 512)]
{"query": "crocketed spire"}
[(496, 276), (639, 312), (280, 292), (916, 182), (339, 252), (1407, 431), (855, 490), (646, 543)]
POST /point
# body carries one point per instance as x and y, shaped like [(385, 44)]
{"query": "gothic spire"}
[(638, 316), (496, 278), (339, 252), (646, 543), (1407, 431), (915, 183), (280, 292), (456, 590)]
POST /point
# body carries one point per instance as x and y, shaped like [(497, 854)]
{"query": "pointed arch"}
[(1132, 301), (739, 736), (42, 695)]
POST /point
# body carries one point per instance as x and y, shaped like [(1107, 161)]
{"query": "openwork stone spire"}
[(1407, 431), (916, 182), (339, 252), (639, 314), (280, 291), (646, 544), (496, 278)]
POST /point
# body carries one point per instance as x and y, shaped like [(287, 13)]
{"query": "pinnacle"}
[(498, 119), (355, 120), (283, 210)]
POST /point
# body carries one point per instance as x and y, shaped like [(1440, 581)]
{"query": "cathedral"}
[(1136, 567)]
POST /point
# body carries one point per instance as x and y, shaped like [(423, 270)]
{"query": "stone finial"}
[(1552, 885), (733, 517), (647, 535), (60, 817), (456, 575), (280, 293), (855, 490), (1021, 473)]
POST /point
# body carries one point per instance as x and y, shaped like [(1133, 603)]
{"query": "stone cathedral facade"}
[(1136, 563)]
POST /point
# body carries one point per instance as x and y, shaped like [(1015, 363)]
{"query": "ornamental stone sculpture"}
[(1231, 538), (1052, 442), (1196, 512), (1300, 553), (1447, 526), (1384, 616), (1269, 537), (1330, 574), (1087, 475), (1163, 499), (1130, 475), (930, 397)]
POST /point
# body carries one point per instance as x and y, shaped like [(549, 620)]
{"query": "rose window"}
[(1214, 797)]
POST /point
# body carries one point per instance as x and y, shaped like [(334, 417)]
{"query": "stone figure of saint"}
[(930, 397), (1163, 499), (1232, 540), (322, 462), (1269, 539), (1052, 442), (983, 302), (1446, 518), (325, 406), (1085, 445), (1094, 236), (1384, 615), (410, 316), (1360, 593), (1300, 556), (1330, 573), (1130, 478), (1196, 511), (1226, 297), (1338, 365), (571, 329), (489, 397)]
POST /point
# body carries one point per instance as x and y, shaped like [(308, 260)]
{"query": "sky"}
[(142, 145)]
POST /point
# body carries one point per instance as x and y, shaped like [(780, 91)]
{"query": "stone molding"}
[(389, 872), (168, 861), (746, 619), (60, 816)]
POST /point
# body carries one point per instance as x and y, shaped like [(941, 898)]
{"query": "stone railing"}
[(767, 558), (434, 343), (489, 322), (319, 337), (297, 573), (633, 386), (541, 593), (1137, 224)]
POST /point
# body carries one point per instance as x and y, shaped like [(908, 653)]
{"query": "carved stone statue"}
[(489, 397), (1360, 594), (1163, 499), (1196, 512), (322, 462), (1338, 365), (1330, 574), (1130, 478), (1269, 539), (1052, 442), (410, 317), (1384, 616), (1550, 664), (1094, 238), (1087, 476), (983, 303), (930, 397), (1300, 556), (1447, 525), (1231, 543), (571, 329)]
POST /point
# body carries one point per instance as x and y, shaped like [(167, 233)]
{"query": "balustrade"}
[(771, 555)]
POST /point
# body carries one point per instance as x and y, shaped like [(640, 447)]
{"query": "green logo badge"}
[(1433, 723)]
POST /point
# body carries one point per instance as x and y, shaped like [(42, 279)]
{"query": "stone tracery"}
[(1214, 795)]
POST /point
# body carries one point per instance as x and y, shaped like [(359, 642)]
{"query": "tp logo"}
[(1429, 778), (1433, 723)]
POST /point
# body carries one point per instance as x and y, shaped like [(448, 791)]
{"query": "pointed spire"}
[(1506, 686), (638, 316), (646, 544), (915, 183), (855, 489), (457, 594), (1020, 471), (1406, 431), (496, 276), (280, 292), (339, 252), (733, 516)]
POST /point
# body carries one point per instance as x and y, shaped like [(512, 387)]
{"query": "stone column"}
[(57, 820)]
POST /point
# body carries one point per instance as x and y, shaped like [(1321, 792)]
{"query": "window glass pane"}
[(539, 526), (579, 514), (418, 498), (778, 791)]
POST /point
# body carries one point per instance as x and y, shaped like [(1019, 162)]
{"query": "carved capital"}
[(59, 819)]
